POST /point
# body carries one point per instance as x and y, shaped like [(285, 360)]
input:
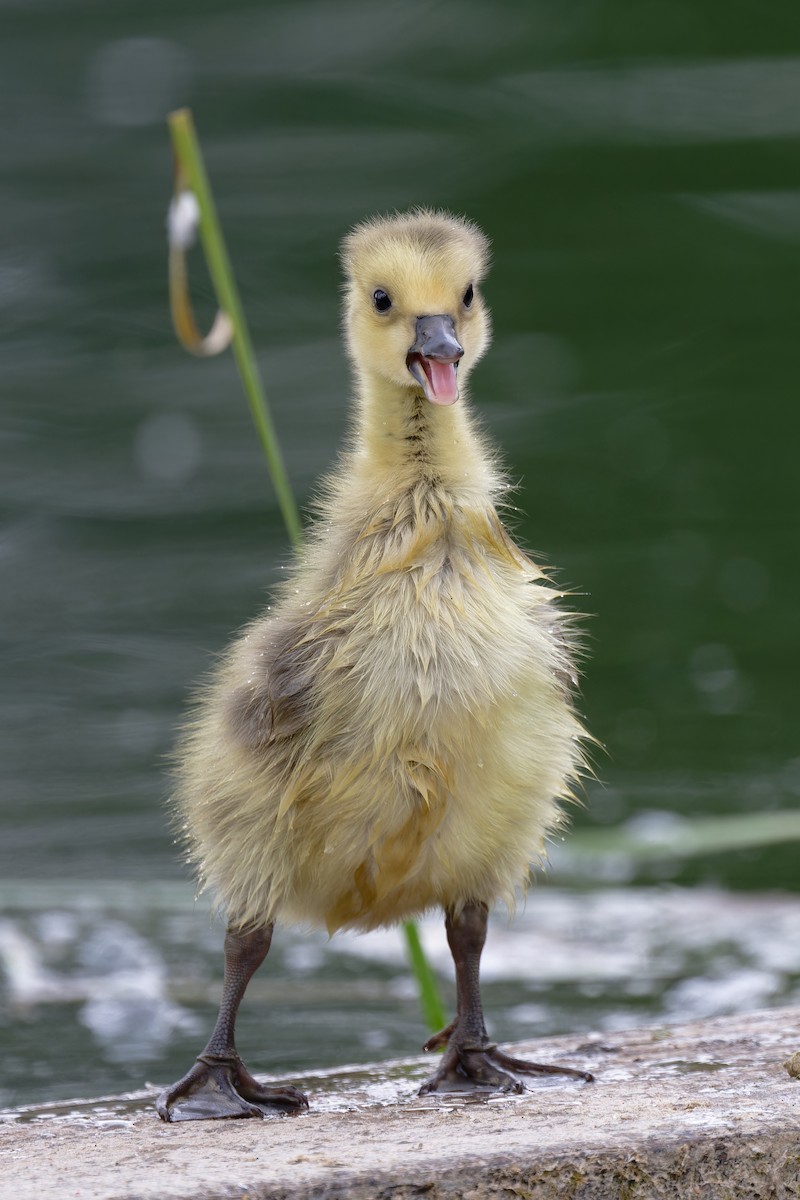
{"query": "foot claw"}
[(219, 1088), (440, 1039)]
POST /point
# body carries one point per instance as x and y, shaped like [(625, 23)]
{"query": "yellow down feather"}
[(396, 732)]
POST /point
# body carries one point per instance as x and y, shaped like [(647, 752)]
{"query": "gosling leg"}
[(219, 1084), (471, 1060)]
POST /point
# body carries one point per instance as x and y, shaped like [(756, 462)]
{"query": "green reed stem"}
[(429, 998), (189, 157)]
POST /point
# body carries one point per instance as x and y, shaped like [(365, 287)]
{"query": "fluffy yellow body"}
[(396, 733)]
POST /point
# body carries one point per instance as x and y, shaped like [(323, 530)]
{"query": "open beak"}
[(433, 359)]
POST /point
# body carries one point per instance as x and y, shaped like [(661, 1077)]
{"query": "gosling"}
[(397, 732)]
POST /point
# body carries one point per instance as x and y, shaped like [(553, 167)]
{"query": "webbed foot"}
[(218, 1088), (485, 1068)]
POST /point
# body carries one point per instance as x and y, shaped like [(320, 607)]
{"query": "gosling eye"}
[(381, 300), (469, 295)]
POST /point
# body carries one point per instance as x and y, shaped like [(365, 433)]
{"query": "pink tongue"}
[(442, 379)]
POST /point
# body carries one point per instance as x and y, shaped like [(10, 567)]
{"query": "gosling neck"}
[(401, 440)]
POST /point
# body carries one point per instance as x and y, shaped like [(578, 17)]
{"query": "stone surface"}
[(705, 1110)]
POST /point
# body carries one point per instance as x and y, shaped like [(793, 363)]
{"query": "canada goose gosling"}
[(397, 733)]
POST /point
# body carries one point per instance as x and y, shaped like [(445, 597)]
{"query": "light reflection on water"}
[(106, 994)]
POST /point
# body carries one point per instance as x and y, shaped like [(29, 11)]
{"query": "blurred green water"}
[(637, 168)]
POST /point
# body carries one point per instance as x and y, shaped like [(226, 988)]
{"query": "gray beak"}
[(436, 338)]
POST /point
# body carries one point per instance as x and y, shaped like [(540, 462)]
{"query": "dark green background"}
[(637, 167)]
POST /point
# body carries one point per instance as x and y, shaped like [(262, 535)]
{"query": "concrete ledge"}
[(705, 1110)]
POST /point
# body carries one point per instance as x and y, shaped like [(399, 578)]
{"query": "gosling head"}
[(414, 315)]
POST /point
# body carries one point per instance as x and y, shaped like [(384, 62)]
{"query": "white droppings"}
[(183, 221)]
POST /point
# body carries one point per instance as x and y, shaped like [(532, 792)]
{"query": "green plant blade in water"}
[(429, 998)]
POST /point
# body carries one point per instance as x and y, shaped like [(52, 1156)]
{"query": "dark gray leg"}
[(471, 1061), (219, 1084)]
